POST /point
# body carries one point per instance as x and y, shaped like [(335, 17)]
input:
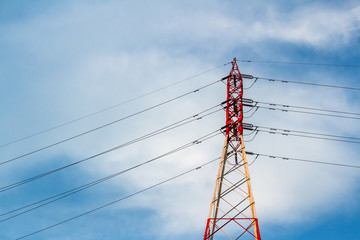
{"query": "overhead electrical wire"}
[(298, 63), (252, 114), (65, 194), (247, 88), (310, 133), (308, 108), (298, 82), (296, 133), (108, 108), (305, 160), (253, 137), (118, 200), (251, 108), (306, 112), (107, 124), (307, 136), (22, 182), (287, 108), (253, 161)]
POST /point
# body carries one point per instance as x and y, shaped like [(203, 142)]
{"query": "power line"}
[(306, 112), (19, 183), (307, 136), (108, 108), (311, 133), (65, 194), (307, 108), (297, 82), (196, 117), (287, 132), (304, 160), (299, 63), (287, 108), (108, 124), (118, 200)]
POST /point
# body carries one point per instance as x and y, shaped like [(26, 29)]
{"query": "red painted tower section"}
[(234, 108)]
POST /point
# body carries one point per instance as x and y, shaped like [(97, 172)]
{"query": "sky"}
[(63, 60)]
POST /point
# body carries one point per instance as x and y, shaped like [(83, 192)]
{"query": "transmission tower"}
[(232, 210)]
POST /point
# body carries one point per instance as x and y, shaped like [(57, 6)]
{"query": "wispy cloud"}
[(70, 61)]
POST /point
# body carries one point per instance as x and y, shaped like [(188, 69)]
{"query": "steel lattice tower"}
[(232, 210)]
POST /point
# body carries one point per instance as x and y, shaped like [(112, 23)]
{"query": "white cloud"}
[(314, 25), (107, 54)]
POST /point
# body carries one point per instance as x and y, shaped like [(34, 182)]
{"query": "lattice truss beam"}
[(232, 210)]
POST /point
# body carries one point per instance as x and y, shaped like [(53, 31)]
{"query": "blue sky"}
[(61, 60)]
